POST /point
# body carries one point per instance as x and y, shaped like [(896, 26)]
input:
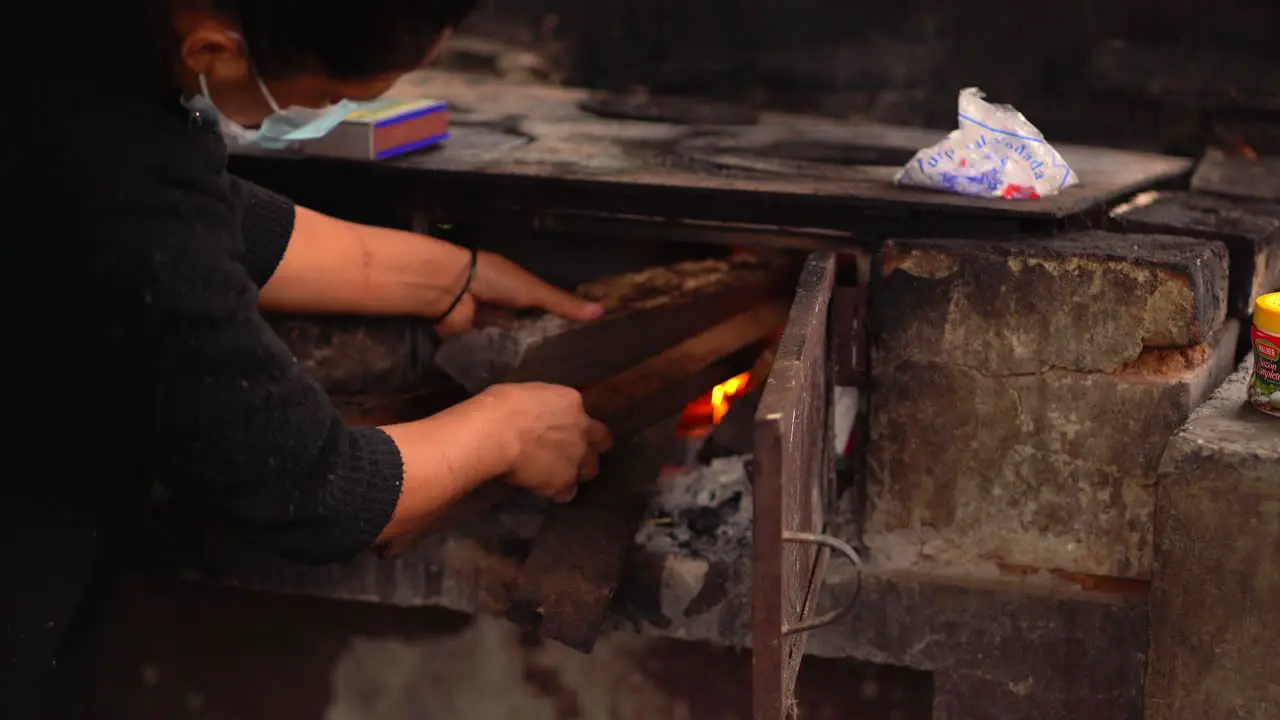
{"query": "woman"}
[(134, 292)]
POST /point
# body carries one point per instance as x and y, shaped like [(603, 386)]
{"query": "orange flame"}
[(707, 411), (724, 393)]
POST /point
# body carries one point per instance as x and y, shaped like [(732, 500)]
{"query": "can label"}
[(1264, 390)]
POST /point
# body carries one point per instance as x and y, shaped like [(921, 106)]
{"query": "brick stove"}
[(1020, 374)]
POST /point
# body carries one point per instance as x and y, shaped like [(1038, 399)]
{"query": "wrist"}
[(436, 277), (473, 257), (445, 457), (492, 414)]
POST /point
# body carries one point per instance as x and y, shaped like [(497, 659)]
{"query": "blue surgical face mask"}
[(282, 127)]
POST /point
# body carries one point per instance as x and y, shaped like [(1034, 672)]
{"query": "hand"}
[(499, 281), (554, 444)]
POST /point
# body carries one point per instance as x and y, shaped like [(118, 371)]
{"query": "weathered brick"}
[(1216, 590), (1251, 231), (1087, 301), (1021, 398)]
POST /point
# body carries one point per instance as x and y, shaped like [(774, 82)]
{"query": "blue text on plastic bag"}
[(995, 152)]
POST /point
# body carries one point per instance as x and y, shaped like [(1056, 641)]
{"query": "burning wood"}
[(577, 560), (672, 334), (634, 400)]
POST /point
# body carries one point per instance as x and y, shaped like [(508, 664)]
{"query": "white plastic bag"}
[(996, 152)]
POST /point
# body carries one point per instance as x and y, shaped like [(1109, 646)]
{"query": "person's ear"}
[(214, 50)]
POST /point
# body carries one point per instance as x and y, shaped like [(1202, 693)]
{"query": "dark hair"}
[(349, 40)]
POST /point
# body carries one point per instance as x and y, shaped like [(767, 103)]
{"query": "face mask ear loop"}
[(262, 87), (265, 92)]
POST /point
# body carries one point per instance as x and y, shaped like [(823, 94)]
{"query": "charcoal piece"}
[(703, 520)]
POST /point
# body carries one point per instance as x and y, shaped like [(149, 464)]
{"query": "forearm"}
[(331, 266), (445, 457)]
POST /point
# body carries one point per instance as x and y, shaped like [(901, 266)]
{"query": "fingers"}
[(589, 467), (557, 301), (566, 495), (599, 439), (559, 445), (569, 306), (538, 293), (502, 282)]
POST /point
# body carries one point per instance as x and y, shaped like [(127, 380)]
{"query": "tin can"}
[(1264, 388)]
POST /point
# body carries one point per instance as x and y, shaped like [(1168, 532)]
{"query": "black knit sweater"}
[(136, 354)]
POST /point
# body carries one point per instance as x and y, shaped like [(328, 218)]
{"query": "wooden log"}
[(577, 560), (647, 312)]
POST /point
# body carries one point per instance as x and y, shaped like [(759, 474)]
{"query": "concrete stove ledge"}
[(1000, 647), (1215, 640)]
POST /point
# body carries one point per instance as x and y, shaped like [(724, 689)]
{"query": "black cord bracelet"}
[(471, 275)]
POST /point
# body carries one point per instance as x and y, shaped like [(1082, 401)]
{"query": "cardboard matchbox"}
[(386, 129)]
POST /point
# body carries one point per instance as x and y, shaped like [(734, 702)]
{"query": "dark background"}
[(1139, 73)]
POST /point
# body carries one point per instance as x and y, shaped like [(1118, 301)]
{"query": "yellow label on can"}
[(1264, 387)]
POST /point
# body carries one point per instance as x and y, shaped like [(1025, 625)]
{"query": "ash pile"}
[(702, 510)]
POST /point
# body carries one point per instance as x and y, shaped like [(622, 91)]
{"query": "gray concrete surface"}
[(1215, 603)]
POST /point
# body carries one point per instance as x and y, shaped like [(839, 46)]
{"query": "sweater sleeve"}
[(238, 428), (266, 221)]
